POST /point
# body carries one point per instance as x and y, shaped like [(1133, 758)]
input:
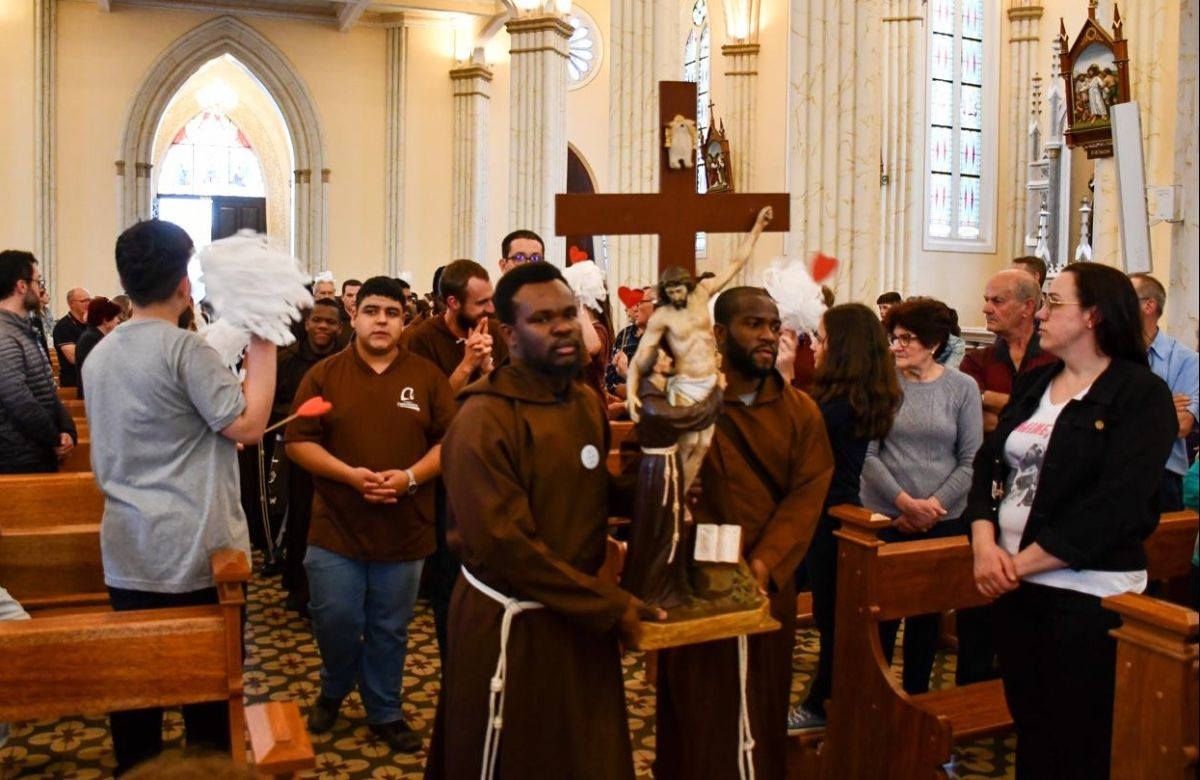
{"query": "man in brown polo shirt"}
[(465, 342), (373, 459)]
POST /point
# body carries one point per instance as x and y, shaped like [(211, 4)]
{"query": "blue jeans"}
[(360, 613)]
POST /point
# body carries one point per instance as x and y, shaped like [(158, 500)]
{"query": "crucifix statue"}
[(676, 213), (675, 399)]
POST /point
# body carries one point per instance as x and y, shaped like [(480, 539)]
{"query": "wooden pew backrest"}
[(53, 567), (41, 500)]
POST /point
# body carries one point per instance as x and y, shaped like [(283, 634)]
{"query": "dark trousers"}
[(1170, 492), (821, 565), (921, 632), (442, 571), (295, 536), (137, 734), (1058, 663)]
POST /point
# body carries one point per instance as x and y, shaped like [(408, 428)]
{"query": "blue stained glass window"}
[(957, 143)]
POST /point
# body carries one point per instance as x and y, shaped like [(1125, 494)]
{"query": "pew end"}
[(1155, 707), (279, 740)]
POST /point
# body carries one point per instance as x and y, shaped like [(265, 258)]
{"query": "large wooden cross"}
[(676, 212)]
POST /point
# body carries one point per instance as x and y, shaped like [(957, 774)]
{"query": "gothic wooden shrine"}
[(1096, 72), (676, 212)]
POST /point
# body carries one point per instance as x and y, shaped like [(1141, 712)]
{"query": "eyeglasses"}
[(906, 339), (1052, 301), (520, 258)]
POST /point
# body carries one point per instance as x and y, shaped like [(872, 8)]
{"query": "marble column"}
[(538, 126), (835, 127), (1183, 294), (644, 48), (1024, 42), (903, 138), (472, 85), (397, 90), (741, 113), (45, 55)]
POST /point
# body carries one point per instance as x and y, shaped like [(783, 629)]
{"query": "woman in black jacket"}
[(1064, 492), (856, 388)]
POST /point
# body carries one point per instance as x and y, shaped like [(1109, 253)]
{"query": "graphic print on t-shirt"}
[(1024, 484)]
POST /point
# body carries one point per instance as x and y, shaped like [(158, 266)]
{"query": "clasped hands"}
[(65, 445), (478, 347), (917, 515), (379, 487)]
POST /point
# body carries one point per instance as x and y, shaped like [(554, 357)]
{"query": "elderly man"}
[(67, 333), (1010, 300), (1179, 367)]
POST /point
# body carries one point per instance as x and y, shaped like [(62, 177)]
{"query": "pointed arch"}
[(228, 35)]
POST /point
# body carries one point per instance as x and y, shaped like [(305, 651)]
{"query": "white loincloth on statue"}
[(691, 390)]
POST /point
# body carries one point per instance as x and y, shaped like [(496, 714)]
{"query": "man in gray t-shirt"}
[(166, 417)]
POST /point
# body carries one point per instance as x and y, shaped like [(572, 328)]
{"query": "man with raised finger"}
[(464, 342), (373, 458)]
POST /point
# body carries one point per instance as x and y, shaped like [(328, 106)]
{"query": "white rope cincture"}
[(745, 738), (495, 721), (670, 490)]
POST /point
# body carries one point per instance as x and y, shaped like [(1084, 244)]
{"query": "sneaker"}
[(802, 720), (398, 736), (323, 714)]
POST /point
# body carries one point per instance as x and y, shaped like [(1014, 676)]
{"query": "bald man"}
[(1010, 300), (67, 333)]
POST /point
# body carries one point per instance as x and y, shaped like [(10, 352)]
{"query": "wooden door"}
[(231, 214)]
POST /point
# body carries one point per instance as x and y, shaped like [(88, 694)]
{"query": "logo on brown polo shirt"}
[(406, 400)]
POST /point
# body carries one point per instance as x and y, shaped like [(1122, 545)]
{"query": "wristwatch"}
[(412, 482)]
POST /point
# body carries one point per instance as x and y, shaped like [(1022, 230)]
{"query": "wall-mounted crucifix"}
[(676, 213)]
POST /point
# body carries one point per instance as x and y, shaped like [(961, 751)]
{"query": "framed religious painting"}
[(1096, 71)]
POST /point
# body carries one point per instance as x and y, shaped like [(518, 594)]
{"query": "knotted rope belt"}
[(670, 490), (495, 722)]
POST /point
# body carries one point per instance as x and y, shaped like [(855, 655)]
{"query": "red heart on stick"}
[(314, 407), (822, 266), (576, 255), (630, 297)]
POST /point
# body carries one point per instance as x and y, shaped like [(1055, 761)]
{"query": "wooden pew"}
[(912, 736), (80, 459), (41, 500), (68, 393), (54, 567), (101, 662), (75, 407), (1157, 704)]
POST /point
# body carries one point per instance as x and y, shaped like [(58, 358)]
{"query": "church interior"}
[(921, 143)]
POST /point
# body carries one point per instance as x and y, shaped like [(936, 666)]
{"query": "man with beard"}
[(532, 684), (36, 430), (465, 342), (320, 340), (373, 458), (768, 470)]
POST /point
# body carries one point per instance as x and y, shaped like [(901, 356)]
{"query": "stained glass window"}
[(211, 156), (697, 68), (957, 96)]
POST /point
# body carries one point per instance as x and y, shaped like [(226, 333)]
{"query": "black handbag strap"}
[(734, 435)]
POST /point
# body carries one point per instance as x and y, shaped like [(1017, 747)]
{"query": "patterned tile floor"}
[(282, 663)]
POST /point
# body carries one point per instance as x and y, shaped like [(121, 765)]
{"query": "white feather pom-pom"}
[(254, 287), (586, 280), (229, 341), (799, 297)]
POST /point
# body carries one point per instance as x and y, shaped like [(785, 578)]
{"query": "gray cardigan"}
[(32, 417), (931, 447)]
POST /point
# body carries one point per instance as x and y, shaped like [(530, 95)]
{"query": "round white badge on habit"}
[(590, 457)]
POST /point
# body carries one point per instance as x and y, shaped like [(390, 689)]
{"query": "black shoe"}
[(271, 567), (398, 735), (323, 714)]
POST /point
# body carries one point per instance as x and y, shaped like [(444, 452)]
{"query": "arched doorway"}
[(580, 180), (137, 180), (223, 159)]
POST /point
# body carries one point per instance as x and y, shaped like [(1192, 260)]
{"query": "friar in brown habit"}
[(532, 685), (768, 470)]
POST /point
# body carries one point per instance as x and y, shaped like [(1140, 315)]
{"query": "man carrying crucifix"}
[(684, 322)]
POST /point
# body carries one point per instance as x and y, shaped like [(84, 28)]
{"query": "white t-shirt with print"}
[(1024, 451)]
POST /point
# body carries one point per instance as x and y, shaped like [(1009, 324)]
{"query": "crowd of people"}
[(461, 455)]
